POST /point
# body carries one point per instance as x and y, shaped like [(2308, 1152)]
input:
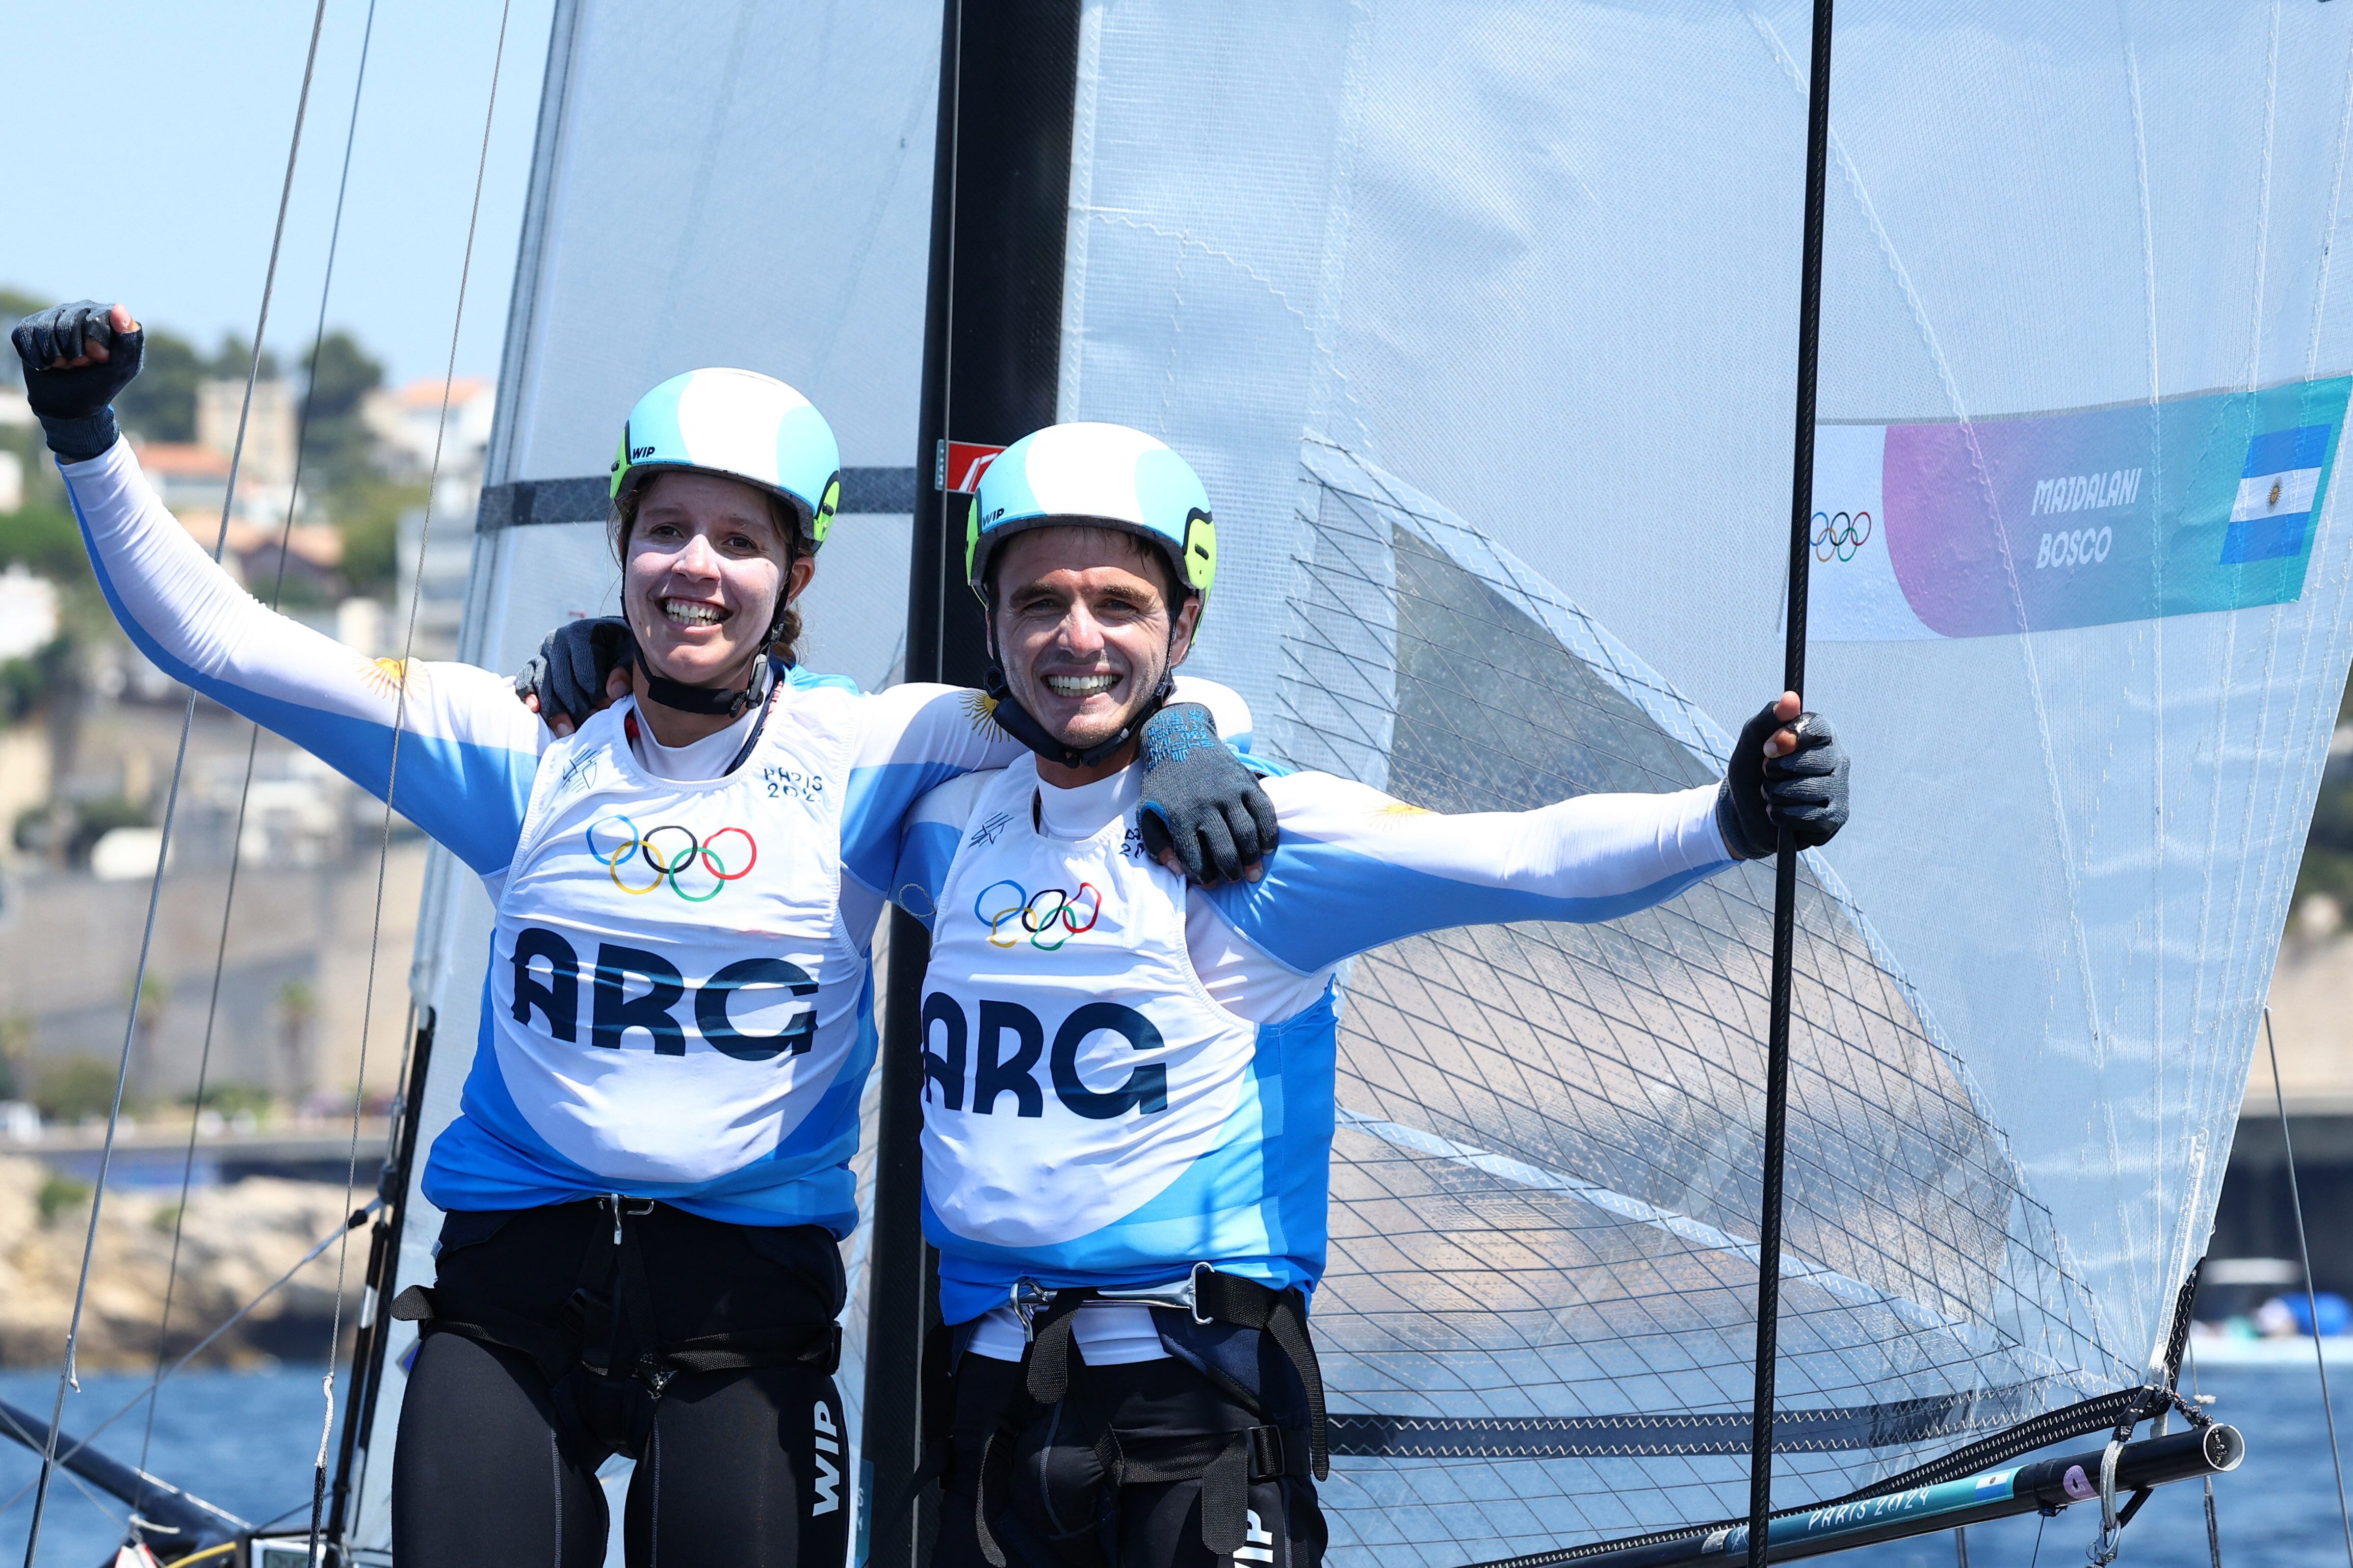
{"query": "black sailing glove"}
[(1806, 789), (73, 404), (569, 671), (1200, 799)]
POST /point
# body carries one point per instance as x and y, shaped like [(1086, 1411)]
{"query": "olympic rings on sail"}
[(1841, 534), (1054, 911), (667, 858)]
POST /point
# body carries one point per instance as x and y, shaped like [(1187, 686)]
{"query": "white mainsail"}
[(1479, 320)]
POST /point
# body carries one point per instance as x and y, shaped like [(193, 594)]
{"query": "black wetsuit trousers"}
[(1154, 1525), (497, 1462)]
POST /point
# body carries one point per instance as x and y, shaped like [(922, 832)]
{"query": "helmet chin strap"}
[(731, 702)]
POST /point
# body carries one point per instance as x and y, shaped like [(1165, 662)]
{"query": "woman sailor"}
[(650, 1172), (1128, 1105)]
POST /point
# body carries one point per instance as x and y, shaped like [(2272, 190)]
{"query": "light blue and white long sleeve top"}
[(1126, 1075), (679, 1001)]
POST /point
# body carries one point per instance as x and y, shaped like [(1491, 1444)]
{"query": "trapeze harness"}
[(611, 1313), (1226, 1464)]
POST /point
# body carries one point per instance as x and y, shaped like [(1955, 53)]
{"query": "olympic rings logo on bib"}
[(1054, 913), (693, 867)]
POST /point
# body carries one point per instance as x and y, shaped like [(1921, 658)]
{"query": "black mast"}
[(992, 358), (1785, 870)]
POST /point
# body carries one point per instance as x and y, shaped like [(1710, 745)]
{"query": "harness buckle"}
[(1179, 1295), (628, 1207), (1028, 1298)]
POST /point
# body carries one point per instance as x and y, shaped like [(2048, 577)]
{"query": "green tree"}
[(16, 1049), (337, 449), (341, 374), (77, 1087), (369, 510), (233, 361), (61, 1195), (47, 541)]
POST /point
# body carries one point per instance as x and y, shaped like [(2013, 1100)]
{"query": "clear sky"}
[(149, 147)]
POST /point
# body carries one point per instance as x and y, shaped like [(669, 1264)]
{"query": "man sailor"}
[(1128, 1094)]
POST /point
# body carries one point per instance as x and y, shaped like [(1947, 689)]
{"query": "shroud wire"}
[(66, 1378), (392, 774), (252, 747), (2311, 1299)]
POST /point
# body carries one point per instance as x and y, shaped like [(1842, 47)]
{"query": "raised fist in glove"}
[(78, 358), (1788, 770)]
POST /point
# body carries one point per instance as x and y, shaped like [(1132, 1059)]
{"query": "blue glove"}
[(1804, 789), (1200, 800), (568, 672), (73, 404)]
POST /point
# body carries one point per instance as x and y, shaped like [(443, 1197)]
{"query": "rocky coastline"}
[(234, 1240)]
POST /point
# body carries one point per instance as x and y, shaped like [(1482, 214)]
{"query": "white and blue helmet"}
[(740, 425), (1103, 476)]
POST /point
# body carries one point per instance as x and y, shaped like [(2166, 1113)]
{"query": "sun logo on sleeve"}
[(386, 677), (981, 707)]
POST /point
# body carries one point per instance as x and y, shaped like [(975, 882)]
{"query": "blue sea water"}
[(245, 1441)]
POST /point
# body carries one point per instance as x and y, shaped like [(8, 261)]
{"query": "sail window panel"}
[(1543, 1189)]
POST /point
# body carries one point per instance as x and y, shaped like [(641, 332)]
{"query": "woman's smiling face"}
[(705, 559)]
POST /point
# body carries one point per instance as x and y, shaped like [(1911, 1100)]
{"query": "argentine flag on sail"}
[(2273, 514)]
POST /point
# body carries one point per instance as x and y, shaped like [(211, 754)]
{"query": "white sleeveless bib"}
[(1074, 1067), (672, 989)]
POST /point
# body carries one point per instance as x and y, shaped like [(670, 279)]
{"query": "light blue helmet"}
[(741, 424), (1106, 476)]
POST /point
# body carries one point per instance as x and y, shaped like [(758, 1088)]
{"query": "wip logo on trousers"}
[(978, 1056), (826, 1439)]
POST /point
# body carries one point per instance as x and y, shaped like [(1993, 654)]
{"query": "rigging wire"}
[(252, 748), (392, 776), (79, 1485), (2311, 1299), (358, 1219), (2198, 1397), (66, 1376), (1785, 868)]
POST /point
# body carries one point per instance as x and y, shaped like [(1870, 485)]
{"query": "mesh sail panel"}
[(1541, 1306)]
